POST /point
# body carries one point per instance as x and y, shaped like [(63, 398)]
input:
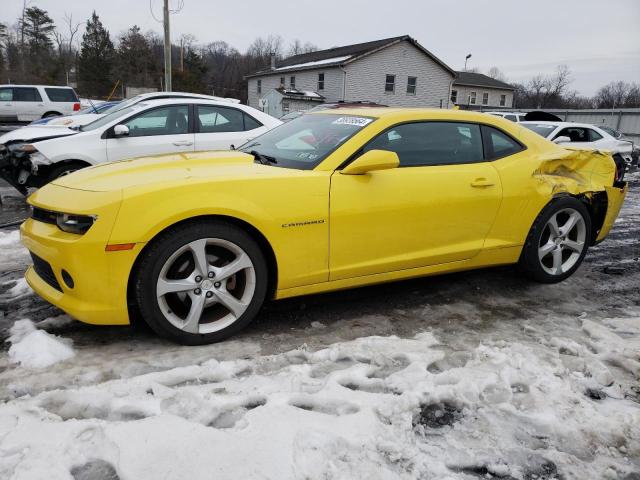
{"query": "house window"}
[(259, 87), (454, 96), (285, 107), (321, 81), (472, 98), (503, 100), (485, 98), (292, 82), (412, 82), (390, 84), (282, 82)]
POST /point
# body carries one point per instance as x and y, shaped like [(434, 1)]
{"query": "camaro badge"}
[(302, 224)]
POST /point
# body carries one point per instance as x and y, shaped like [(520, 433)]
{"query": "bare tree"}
[(67, 48), (298, 48), (496, 73)]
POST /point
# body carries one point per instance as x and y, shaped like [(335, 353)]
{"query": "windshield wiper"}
[(263, 159)]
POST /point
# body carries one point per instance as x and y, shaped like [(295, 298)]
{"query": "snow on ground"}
[(33, 348), (466, 376)]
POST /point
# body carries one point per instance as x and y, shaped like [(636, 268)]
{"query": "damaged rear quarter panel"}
[(531, 179)]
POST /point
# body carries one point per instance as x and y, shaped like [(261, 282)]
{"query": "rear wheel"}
[(51, 114), (557, 242), (201, 283)]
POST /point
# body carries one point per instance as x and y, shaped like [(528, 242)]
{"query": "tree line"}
[(36, 50), (553, 91)]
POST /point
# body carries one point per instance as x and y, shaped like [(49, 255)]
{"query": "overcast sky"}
[(599, 40)]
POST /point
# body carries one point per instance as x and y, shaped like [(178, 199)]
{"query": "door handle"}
[(185, 143), (482, 183)]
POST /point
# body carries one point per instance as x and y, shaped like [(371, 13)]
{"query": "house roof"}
[(473, 79), (295, 94), (338, 56)]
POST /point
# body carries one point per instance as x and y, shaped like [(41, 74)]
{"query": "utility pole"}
[(167, 49)]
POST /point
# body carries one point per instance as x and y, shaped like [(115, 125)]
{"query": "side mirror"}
[(370, 161), (121, 131), (562, 139)]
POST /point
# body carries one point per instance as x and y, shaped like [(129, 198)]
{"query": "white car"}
[(25, 103), (513, 116), (153, 127), (93, 114), (584, 136)]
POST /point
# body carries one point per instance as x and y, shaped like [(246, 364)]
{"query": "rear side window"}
[(510, 117), (576, 134), (6, 94), (214, 119), (431, 143), (251, 123), (61, 95), (594, 136), (498, 144), (26, 94)]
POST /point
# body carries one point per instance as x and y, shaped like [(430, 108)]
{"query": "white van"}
[(26, 103)]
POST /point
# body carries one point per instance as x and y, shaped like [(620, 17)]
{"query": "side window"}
[(510, 117), (574, 133), (171, 120), (454, 96), (431, 143), (26, 94), (390, 84), (211, 119), (251, 123), (498, 144), (61, 95), (6, 94), (594, 136), (472, 98)]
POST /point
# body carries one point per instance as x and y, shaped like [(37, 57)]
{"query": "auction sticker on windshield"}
[(355, 121)]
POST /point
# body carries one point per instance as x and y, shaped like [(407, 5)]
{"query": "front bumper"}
[(99, 291)]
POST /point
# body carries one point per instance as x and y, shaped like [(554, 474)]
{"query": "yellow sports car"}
[(194, 243)]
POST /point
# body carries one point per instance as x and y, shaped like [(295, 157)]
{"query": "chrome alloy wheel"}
[(206, 285), (562, 241)]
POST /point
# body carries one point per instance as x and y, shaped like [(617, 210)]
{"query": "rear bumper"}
[(615, 199)]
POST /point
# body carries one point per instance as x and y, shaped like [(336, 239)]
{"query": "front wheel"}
[(557, 241), (201, 283)]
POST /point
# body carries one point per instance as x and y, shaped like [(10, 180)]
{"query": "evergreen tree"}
[(38, 28), (96, 60), (192, 79), (135, 59)]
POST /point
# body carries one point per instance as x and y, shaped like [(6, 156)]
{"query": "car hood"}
[(168, 169), (74, 120), (36, 133)]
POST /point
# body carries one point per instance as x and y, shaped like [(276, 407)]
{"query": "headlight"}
[(23, 147), (78, 224)]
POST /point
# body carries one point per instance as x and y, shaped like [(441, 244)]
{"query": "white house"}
[(395, 71), (477, 91)]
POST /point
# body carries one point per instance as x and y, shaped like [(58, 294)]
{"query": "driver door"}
[(153, 132), (437, 207)]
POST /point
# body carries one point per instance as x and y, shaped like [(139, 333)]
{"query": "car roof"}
[(150, 95), (560, 124), (32, 85), (401, 114), (187, 101)]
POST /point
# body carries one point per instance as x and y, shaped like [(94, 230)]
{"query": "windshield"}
[(304, 142), (108, 118), (99, 108), (540, 128)]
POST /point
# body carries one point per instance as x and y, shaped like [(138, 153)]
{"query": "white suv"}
[(26, 103)]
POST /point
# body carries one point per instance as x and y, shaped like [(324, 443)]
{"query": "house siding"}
[(305, 80), (494, 96), (366, 78)]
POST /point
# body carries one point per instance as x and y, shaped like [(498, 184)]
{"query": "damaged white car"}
[(34, 156)]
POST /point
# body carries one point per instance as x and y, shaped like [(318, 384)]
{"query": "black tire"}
[(51, 114), (160, 251), (62, 170), (530, 263)]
